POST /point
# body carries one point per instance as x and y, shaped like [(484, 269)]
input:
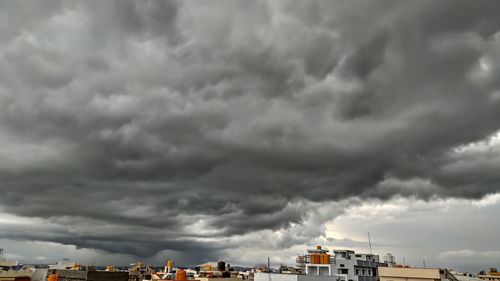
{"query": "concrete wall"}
[(408, 274), (259, 276), (348, 264), (40, 274), (316, 278), (107, 276), (291, 277), (218, 279), (70, 275), (75, 275), (319, 269)]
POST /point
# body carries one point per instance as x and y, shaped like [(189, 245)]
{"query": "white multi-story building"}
[(344, 265), (339, 265), (351, 266)]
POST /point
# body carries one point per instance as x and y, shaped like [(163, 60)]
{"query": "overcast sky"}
[(245, 129)]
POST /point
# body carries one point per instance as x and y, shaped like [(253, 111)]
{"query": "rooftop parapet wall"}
[(363, 263), (291, 277), (77, 275), (418, 273), (107, 276)]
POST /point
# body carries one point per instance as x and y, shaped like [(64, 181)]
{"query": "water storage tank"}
[(326, 259), (221, 266), (169, 266), (53, 277), (181, 275)]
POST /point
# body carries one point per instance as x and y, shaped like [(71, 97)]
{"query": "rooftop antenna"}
[(370, 243)]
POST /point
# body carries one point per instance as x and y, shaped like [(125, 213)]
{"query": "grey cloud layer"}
[(158, 117)]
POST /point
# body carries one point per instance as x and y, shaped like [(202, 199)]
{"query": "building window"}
[(357, 271), (341, 265), (343, 271)]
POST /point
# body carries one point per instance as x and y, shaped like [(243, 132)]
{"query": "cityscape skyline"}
[(148, 129)]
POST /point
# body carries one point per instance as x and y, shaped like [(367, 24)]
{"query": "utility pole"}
[(404, 262), (269, 264), (424, 261), (370, 243)]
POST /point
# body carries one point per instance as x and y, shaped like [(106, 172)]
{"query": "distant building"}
[(390, 260), (493, 275), (64, 264), (489, 277), (464, 276), (86, 275)]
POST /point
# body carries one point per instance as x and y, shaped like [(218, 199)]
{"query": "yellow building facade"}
[(409, 274)]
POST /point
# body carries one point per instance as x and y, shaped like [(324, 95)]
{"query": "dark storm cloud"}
[(180, 122)]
